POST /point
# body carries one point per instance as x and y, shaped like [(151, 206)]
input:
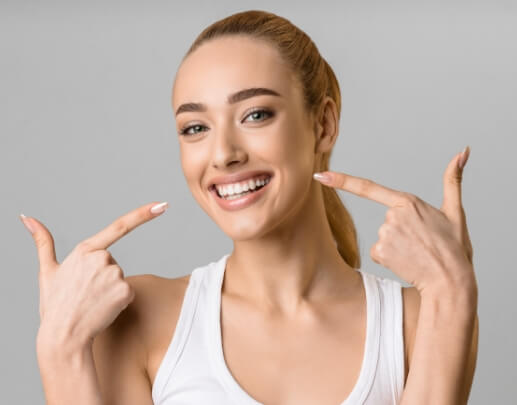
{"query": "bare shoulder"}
[(411, 303), (157, 306), (126, 352)]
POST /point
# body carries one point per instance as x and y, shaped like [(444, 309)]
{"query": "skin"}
[(283, 247), (283, 244)]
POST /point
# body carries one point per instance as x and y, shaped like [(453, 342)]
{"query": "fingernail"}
[(463, 158), (324, 178), (159, 208), (26, 221)]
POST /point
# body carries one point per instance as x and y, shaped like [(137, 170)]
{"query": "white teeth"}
[(239, 188)]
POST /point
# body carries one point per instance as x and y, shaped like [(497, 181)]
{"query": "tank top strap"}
[(397, 338), (181, 333), (193, 369), (371, 351), (392, 346)]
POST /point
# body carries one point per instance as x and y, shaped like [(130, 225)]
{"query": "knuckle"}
[(105, 256), (384, 230), (410, 200), (365, 186), (124, 291), (83, 247), (115, 272), (390, 215), (380, 250), (41, 241), (454, 179), (376, 253), (121, 227)]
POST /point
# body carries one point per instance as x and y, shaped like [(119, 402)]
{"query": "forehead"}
[(225, 65)]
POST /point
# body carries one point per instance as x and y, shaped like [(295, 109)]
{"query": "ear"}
[(327, 125)]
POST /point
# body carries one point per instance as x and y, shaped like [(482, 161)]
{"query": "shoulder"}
[(151, 291), (156, 299), (411, 305), (121, 351), (153, 314)]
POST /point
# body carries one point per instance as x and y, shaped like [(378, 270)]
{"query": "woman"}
[(257, 112)]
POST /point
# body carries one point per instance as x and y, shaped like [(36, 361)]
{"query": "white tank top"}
[(193, 369)]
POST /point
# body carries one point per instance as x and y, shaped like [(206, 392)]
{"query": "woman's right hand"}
[(85, 293)]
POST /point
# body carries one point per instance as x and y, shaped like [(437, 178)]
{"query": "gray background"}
[(87, 134)]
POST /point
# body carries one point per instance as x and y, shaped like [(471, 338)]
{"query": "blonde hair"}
[(318, 80)]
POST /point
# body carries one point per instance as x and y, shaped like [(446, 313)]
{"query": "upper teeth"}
[(237, 188)]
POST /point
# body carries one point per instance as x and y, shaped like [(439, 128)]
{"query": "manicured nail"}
[(324, 178), (463, 158), (159, 208), (26, 221)]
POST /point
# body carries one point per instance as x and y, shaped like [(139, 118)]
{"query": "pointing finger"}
[(123, 225), (363, 187)]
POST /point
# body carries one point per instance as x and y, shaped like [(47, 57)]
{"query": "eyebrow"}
[(232, 99)]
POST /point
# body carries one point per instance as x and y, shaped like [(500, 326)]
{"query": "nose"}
[(227, 148)]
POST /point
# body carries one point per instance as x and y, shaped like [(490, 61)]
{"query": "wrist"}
[(458, 305), (458, 286), (458, 294), (61, 346)]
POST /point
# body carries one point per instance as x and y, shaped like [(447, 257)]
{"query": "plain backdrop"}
[(87, 134)]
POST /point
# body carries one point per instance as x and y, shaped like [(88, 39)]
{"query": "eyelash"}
[(269, 114)]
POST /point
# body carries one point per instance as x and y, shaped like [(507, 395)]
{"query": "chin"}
[(243, 229)]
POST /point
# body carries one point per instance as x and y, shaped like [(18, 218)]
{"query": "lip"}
[(236, 177), (242, 202)]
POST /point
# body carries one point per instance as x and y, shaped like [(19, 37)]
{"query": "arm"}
[(109, 370), (444, 354), (430, 249), (68, 374)]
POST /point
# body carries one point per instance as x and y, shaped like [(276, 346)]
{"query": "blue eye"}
[(254, 116), (197, 128), (258, 115)]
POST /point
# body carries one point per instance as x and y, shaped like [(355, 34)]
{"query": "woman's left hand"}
[(427, 247)]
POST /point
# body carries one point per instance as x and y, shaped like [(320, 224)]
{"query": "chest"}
[(316, 359)]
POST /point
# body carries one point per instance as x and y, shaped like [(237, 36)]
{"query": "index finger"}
[(365, 188), (123, 225)]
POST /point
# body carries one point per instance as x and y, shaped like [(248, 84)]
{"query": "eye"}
[(192, 129), (259, 115)]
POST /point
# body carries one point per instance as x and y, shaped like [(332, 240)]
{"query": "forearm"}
[(438, 373), (68, 376)]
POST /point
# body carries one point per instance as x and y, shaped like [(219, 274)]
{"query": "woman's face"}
[(267, 132)]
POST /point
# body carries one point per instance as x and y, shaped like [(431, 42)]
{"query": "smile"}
[(240, 195)]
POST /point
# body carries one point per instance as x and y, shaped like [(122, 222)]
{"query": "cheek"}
[(193, 158), (193, 168), (285, 144)]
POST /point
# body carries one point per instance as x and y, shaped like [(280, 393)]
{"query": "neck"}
[(296, 263)]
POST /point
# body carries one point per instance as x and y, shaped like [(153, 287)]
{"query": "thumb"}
[(452, 205), (44, 243)]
